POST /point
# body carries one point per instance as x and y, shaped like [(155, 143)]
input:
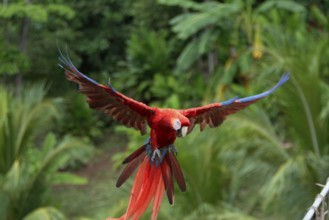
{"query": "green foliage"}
[(201, 26), (101, 28), (209, 13), (35, 12), (151, 15), (319, 16), (77, 118), (60, 10), (12, 61), (21, 119), (260, 164), (21, 10), (307, 89), (286, 5), (28, 171), (149, 75), (196, 48), (27, 183), (148, 55), (149, 51), (304, 100), (46, 213)]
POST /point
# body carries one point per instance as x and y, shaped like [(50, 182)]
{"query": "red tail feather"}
[(168, 180), (148, 185), (177, 171), (135, 154), (130, 168), (151, 180)]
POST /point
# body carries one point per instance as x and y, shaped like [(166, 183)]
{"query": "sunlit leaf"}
[(45, 213), (282, 4), (67, 178)]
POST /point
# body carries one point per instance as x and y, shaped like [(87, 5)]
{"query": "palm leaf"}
[(22, 117), (210, 13)]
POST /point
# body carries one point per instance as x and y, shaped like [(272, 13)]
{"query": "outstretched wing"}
[(123, 109), (214, 114)]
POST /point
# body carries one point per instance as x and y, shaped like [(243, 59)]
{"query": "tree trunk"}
[(3, 80), (5, 24), (22, 46), (212, 61)]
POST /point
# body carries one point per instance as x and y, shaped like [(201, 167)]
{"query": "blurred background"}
[(60, 160)]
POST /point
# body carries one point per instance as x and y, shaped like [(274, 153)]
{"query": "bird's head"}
[(180, 126)]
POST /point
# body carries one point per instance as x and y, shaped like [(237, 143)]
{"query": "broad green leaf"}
[(196, 48), (45, 213), (188, 24), (13, 178), (189, 55), (282, 4), (49, 142), (182, 3)]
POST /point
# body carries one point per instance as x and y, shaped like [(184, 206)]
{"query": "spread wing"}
[(123, 109), (214, 114)]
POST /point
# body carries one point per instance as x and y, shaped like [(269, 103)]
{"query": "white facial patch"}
[(177, 125)]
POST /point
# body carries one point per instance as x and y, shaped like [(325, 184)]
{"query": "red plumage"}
[(158, 163)]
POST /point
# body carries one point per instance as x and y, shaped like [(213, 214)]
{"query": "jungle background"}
[(60, 160)]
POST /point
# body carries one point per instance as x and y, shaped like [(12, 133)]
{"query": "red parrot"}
[(157, 157)]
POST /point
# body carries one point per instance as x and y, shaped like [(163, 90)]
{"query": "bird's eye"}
[(177, 125)]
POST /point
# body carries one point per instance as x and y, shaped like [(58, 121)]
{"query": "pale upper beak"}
[(182, 131)]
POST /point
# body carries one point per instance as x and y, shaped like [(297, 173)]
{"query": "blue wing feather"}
[(67, 62), (230, 101), (284, 78), (214, 114)]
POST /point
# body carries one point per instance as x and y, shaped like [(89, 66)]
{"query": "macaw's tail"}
[(154, 176)]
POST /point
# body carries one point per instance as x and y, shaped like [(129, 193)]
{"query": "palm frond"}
[(22, 117)]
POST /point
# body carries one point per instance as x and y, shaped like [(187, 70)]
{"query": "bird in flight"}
[(156, 158)]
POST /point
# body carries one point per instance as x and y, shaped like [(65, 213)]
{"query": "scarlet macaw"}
[(157, 156)]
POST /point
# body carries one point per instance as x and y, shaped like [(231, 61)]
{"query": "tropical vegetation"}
[(60, 159)]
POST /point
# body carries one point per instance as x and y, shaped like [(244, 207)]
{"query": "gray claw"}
[(156, 152)]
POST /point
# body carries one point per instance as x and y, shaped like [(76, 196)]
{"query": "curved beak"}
[(182, 131)]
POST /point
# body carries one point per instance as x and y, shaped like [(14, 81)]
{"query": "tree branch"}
[(319, 199)]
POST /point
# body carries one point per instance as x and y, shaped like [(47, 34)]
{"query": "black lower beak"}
[(179, 133)]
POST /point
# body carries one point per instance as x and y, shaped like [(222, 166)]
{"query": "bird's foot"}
[(158, 154), (172, 149), (155, 153)]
